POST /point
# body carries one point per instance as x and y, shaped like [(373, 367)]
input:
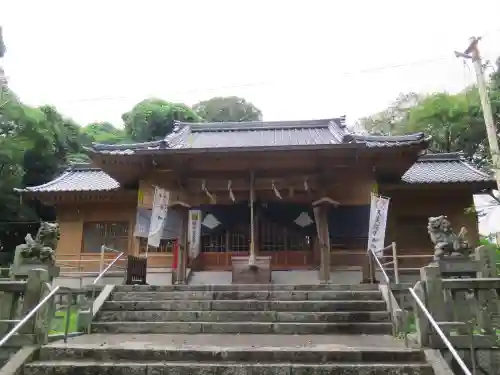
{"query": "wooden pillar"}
[(321, 218), (252, 254), (179, 273), (368, 269)]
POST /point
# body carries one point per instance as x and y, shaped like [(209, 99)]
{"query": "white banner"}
[(158, 216), (194, 233), (378, 221)]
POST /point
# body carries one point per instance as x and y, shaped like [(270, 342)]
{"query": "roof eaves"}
[(46, 185), (484, 175)]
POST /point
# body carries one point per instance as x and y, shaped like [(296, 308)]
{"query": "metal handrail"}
[(440, 332), (28, 316), (107, 268), (389, 290), (96, 280), (386, 276)]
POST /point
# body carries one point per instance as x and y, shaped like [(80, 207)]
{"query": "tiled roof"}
[(259, 134), (77, 178), (443, 169), (429, 169)]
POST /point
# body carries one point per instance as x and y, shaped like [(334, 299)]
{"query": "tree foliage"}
[(104, 132), (227, 109), (153, 119), (454, 121)]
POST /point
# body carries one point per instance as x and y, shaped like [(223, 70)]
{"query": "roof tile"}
[(259, 134), (78, 179), (442, 169)]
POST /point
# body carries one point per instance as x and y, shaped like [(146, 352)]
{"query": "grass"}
[(59, 323)]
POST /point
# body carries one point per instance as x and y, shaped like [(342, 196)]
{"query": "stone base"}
[(458, 265), (242, 273), (21, 271)]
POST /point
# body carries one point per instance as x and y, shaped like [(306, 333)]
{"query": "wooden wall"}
[(410, 209), (71, 218)]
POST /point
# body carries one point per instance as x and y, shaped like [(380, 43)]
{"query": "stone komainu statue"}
[(445, 241), (42, 248)]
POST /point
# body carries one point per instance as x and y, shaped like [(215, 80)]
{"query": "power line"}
[(263, 83)]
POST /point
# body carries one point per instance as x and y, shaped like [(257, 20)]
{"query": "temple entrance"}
[(285, 232)]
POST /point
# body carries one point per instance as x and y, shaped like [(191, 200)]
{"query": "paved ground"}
[(221, 342)]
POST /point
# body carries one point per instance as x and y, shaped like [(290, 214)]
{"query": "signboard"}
[(379, 209), (194, 233), (158, 216)]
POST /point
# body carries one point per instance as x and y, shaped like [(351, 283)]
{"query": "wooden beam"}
[(243, 185)]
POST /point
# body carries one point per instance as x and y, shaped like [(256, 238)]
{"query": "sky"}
[(293, 59)]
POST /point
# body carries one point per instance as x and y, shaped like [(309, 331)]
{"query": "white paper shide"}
[(379, 209), (194, 233), (158, 216)]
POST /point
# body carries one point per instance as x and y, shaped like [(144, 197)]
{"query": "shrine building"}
[(284, 167)]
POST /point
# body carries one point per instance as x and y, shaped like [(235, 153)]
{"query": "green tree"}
[(393, 120), (454, 121), (104, 132), (153, 119), (54, 139), (227, 109)]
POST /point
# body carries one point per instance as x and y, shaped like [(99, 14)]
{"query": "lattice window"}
[(213, 243), (111, 234), (275, 237), (166, 246), (239, 238)]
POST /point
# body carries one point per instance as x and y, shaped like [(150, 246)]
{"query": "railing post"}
[(395, 263), (422, 324), (434, 296), (33, 294), (486, 256), (101, 264)]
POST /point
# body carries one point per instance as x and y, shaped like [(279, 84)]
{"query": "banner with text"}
[(194, 233), (158, 216), (378, 221)]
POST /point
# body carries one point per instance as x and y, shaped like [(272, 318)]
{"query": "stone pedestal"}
[(20, 271), (242, 273), (458, 266)]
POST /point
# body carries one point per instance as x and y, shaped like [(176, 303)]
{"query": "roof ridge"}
[(261, 125), (385, 138), (450, 156)]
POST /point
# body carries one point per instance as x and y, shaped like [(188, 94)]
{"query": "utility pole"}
[(472, 52)]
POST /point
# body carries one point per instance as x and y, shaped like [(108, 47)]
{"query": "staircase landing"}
[(231, 341)]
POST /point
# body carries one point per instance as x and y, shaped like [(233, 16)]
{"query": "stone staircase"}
[(280, 309), (243, 329)]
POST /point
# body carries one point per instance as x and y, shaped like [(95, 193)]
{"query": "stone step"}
[(242, 316), (245, 305), (244, 287), (258, 354), (242, 327), (193, 368), (316, 295)]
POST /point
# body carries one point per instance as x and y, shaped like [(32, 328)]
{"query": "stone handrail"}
[(467, 309)]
